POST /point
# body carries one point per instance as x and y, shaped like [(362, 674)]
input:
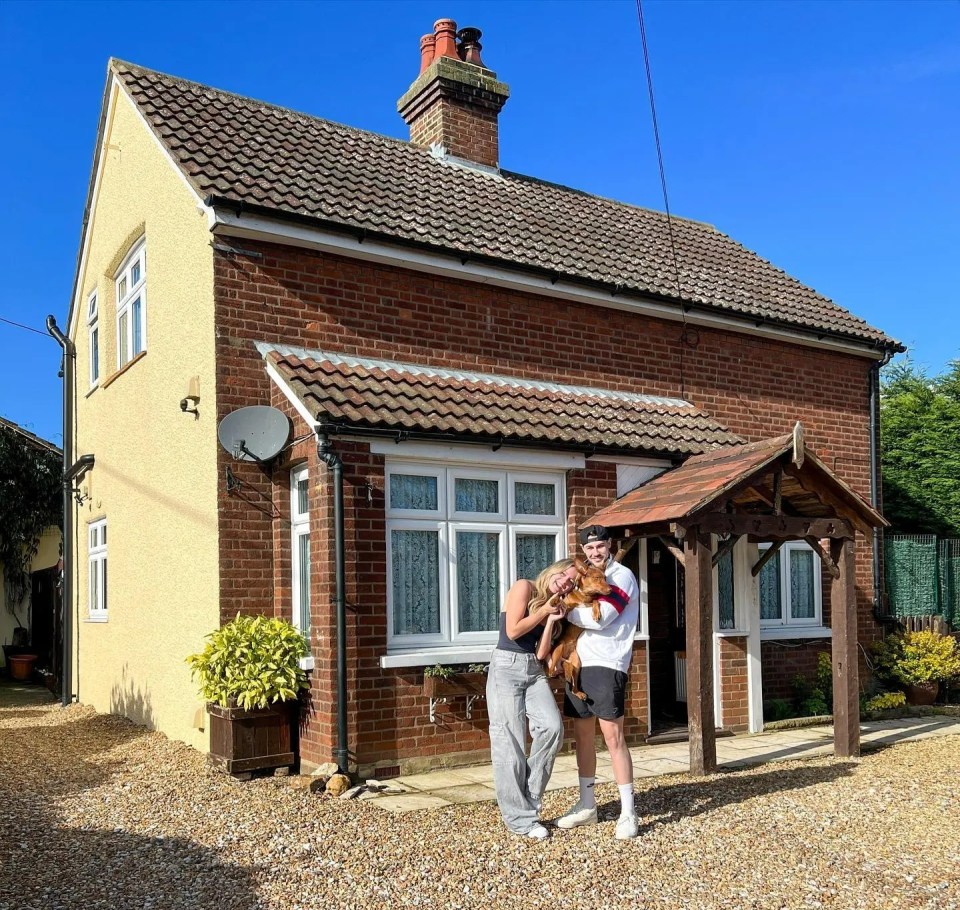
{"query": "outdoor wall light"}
[(192, 398)]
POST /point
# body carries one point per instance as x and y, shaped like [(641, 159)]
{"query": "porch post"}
[(843, 605), (699, 617)]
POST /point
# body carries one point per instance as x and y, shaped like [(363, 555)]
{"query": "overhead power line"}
[(20, 325)]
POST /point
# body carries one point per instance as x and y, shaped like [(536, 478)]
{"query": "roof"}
[(355, 393), (292, 165), (31, 439), (736, 474)]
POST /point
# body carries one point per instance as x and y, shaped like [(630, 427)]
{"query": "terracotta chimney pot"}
[(428, 46), (445, 31)]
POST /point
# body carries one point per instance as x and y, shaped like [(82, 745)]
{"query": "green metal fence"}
[(923, 576)]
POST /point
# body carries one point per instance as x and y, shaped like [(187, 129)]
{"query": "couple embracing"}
[(518, 693)]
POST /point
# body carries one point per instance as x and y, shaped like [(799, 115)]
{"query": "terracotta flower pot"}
[(21, 665), (923, 693)]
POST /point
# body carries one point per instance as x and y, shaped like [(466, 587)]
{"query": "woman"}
[(518, 694)]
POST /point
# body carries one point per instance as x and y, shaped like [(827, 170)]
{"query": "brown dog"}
[(563, 657)]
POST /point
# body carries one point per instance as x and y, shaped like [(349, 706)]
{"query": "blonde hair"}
[(542, 592)]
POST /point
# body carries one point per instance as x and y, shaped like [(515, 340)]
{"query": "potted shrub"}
[(920, 662), (250, 675)]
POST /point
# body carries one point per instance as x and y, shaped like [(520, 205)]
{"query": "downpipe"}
[(878, 613), (69, 374), (333, 461)]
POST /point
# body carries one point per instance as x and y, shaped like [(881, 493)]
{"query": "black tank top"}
[(525, 644)]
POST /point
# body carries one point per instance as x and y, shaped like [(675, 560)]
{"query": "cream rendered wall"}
[(155, 475)]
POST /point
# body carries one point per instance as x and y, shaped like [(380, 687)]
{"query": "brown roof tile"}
[(296, 165), (372, 394)]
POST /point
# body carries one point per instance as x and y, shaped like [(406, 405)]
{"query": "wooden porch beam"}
[(825, 557), (778, 491), (766, 557), (724, 547), (625, 549), (699, 614), (673, 548), (843, 612), (829, 499), (774, 527)]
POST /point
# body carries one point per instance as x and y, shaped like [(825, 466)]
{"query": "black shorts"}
[(606, 692)]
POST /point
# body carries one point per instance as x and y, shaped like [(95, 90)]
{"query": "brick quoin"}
[(757, 387)]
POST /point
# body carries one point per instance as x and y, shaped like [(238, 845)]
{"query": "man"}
[(605, 650)]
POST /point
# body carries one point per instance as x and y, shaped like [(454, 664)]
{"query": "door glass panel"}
[(725, 585), (304, 583)]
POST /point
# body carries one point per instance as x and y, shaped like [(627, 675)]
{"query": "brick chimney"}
[(456, 100)]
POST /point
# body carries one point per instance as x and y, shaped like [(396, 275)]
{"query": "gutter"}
[(671, 307)]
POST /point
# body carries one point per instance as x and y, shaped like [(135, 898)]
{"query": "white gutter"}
[(272, 230)]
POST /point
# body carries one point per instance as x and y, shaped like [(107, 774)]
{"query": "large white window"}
[(457, 538), (131, 284), (97, 569), (300, 549), (93, 327), (790, 589)]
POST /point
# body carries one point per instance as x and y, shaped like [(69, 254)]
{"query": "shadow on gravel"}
[(18, 713), (60, 757), (46, 867), (669, 803)]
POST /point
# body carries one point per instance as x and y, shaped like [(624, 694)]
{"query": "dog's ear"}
[(581, 565)]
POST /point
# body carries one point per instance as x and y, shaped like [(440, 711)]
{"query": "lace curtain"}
[(534, 553), (478, 581), (770, 605), (410, 491), (416, 582), (725, 586), (476, 495), (534, 499), (802, 604)]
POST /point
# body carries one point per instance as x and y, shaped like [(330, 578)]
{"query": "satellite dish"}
[(256, 433)]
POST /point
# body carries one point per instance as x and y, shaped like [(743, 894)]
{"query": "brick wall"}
[(734, 700), (758, 388)]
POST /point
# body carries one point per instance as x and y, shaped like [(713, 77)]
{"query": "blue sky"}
[(823, 135)]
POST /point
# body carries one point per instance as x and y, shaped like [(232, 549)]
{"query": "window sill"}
[(96, 619), (427, 657), (786, 633), (731, 633), (110, 379)]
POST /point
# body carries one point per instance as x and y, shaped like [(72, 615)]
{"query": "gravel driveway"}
[(98, 813)]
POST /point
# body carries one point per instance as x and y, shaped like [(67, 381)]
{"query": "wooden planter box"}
[(243, 741)]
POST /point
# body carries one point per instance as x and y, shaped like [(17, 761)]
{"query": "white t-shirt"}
[(609, 642)]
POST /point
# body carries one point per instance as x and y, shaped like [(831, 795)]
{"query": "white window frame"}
[(93, 337), (299, 527), (786, 624), (133, 290), (447, 522), (97, 570)]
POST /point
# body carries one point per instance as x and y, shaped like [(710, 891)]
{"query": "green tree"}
[(920, 449), (30, 502)]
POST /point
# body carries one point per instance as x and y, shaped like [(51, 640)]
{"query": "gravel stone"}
[(98, 813)]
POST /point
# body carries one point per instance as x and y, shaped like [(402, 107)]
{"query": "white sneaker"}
[(627, 827), (537, 832), (578, 816)]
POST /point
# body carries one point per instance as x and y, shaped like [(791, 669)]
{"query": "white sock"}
[(587, 799), (626, 799)]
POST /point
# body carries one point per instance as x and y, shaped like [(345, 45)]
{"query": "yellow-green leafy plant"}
[(885, 700), (916, 658), (439, 671), (253, 661)]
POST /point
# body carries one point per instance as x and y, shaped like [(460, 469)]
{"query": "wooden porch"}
[(772, 491)]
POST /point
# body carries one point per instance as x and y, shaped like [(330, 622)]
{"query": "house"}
[(472, 362), (29, 595)]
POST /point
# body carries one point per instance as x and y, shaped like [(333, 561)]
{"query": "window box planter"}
[(439, 689), (242, 740)]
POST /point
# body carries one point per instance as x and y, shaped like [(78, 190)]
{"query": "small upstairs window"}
[(93, 326), (132, 305)]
